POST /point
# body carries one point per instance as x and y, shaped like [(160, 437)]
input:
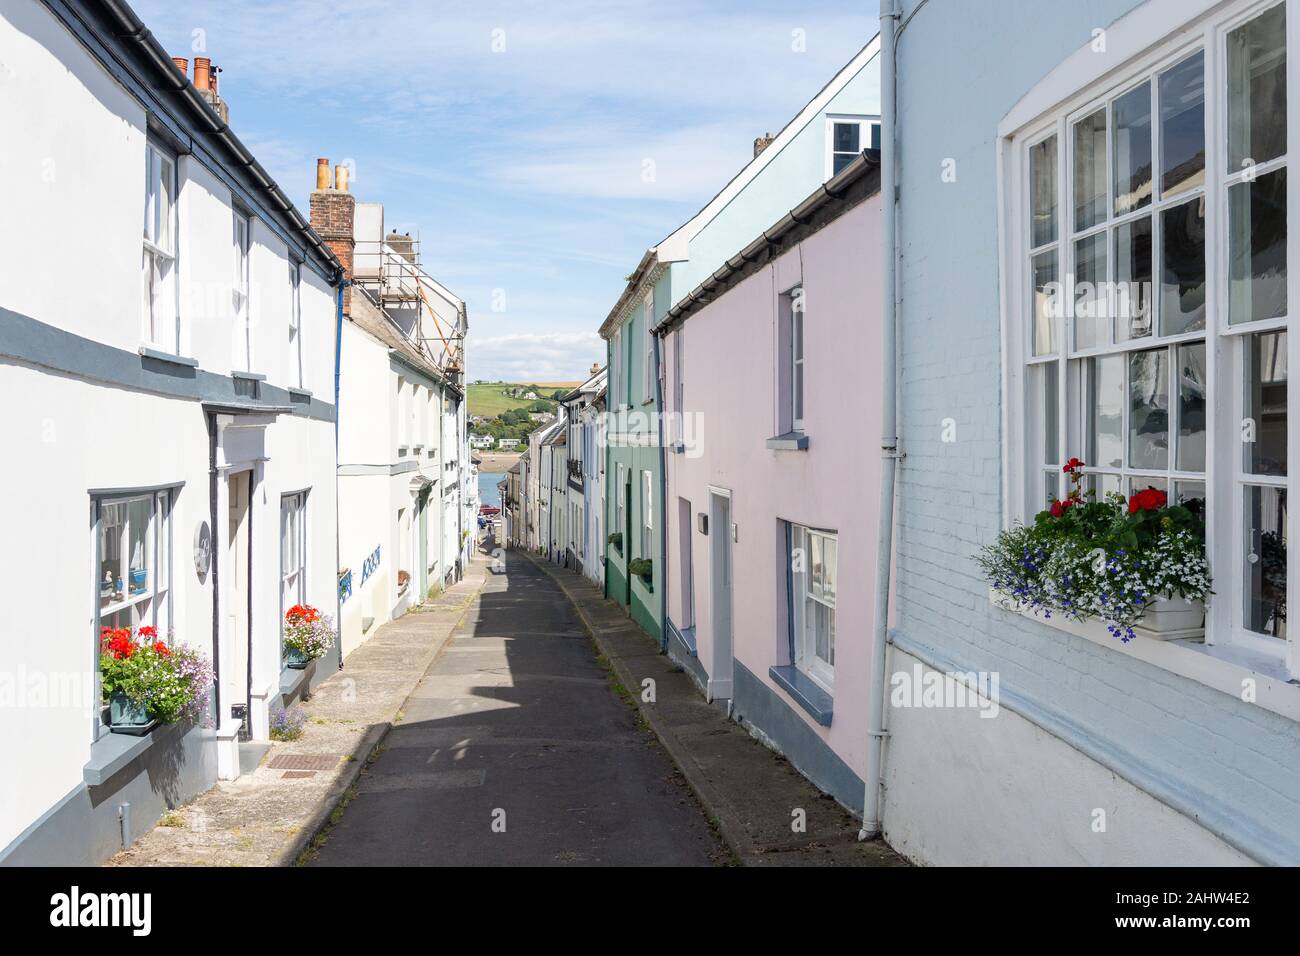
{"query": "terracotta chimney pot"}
[(182, 64), (202, 72), (323, 173)]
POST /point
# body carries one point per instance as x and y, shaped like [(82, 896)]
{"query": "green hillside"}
[(491, 399)]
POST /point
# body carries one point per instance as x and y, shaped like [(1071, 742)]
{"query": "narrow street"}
[(515, 748)]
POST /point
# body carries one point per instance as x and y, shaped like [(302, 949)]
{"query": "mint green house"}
[(828, 133)]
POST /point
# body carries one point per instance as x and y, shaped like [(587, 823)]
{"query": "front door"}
[(237, 590), (720, 574)]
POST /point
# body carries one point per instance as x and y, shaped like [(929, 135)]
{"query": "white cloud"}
[(554, 357)]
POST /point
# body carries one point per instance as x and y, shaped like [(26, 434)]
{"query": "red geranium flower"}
[(1148, 499), (148, 631), (1060, 506), (161, 648), (1072, 464)]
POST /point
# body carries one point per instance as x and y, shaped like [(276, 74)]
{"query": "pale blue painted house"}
[(1141, 144)]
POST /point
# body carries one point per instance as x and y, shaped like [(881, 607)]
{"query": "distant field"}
[(492, 398)]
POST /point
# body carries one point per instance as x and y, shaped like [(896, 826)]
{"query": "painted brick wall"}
[(959, 76)]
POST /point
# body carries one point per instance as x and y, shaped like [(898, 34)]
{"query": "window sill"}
[(111, 752), (805, 691), (1222, 667), (248, 376), (293, 678), (300, 394), (790, 441), (158, 355)]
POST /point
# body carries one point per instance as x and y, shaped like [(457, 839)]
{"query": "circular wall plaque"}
[(202, 549)]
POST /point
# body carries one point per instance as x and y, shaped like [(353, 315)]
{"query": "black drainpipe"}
[(212, 520)]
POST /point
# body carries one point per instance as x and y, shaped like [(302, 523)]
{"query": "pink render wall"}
[(729, 374)]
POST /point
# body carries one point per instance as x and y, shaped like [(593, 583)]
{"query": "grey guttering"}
[(630, 290), (121, 32), (858, 180)]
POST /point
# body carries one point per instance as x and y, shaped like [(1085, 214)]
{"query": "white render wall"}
[(1027, 797), (73, 183)]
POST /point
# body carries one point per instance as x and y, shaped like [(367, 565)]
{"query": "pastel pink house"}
[(771, 381)]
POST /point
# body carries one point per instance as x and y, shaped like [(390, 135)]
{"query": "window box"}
[(296, 659), (127, 716), (643, 568), (616, 539), (1173, 618)]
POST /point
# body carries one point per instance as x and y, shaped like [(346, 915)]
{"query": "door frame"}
[(722, 577)]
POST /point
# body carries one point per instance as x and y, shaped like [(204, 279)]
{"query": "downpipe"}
[(871, 822), (338, 414)]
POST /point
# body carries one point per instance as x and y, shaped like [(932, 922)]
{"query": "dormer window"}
[(847, 137)]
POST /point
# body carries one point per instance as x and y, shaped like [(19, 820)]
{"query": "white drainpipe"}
[(871, 824)]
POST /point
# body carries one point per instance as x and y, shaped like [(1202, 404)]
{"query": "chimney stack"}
[(333, 216), (205, 81), (762, 143), (595, 367)]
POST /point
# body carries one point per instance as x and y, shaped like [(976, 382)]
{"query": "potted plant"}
[(308, 635), (1129, 562), (616, 539), (644, 567), (146, 682)]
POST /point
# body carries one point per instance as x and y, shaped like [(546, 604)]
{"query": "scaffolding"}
[(430, 317)]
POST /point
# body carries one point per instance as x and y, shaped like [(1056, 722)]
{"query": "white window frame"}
[(620, 508), (160, 290), (616, 371), (293, 554), (864, 123), (151, 604), (1070, 93), (295, 324), (648, 359), (798, 353), (242, 248), (647, 515), (811, 587)]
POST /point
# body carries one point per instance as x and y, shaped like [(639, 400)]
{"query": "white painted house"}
[(401, 441), (177, 442)]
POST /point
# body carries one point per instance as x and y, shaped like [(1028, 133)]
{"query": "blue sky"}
[(520, 167)]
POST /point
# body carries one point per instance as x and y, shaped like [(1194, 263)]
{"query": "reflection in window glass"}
[(1148, 422), (1182, 283), (1047, 295), (1090, 170), (1042, 178), (1182, 126), (1257, 248), (1265, 404), (1091, 311), (1257, 89), (1105, 408), (1133, 280), (138, 514), (1132, 149), (1191, 495), (1265, 564), (1191, 407)]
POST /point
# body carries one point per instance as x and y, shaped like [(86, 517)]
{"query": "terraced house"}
[(178, 461), (1136, 156), (827, 134)]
